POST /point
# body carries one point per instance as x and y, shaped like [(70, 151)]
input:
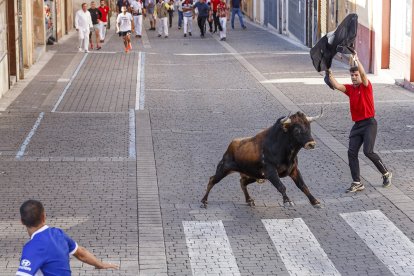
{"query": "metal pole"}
[(20, 30)]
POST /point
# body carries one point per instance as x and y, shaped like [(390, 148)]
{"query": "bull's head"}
[(298, 127)]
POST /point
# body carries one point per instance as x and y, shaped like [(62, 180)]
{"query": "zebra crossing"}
[(210, 251)]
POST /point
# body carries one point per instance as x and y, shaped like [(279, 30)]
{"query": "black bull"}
[(271, 155)]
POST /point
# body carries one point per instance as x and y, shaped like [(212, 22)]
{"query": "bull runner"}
[(364, 131)]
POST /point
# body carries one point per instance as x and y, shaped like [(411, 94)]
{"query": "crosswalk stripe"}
[(387, 242), (298, 248), (209, 248)]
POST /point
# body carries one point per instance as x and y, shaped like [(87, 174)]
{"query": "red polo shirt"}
[(104, 11), (215, 3), (361, 101)]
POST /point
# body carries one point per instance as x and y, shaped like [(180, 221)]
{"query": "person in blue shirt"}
[(203, 10), (48, 250), (236, 9)]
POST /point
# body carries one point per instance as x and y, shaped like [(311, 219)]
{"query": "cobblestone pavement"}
[(120, 147)]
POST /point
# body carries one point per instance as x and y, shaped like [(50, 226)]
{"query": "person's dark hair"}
[(83, 4), (353, 69), (31, 213)]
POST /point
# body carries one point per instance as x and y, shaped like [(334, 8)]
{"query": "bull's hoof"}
[(288, 204), (318, 206), (251, 203), (203, 204)]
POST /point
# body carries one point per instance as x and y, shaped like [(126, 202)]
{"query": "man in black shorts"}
[(124, 23)]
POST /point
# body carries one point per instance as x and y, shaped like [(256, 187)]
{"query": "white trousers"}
[(163, 25), (138, 24), (102, 30), (83, 39), (223, 21), (188, 20)]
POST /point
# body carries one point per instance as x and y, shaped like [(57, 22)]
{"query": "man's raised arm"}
[(334, 82)]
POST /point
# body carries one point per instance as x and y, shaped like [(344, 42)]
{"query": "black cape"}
[(341, 40)]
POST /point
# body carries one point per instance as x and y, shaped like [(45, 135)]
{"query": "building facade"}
[(384, 40), (26, 27)]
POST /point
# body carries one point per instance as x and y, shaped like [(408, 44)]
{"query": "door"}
[(12, 39)]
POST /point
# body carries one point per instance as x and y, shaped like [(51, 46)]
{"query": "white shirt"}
[(83, 20), (136, 7), (124, 21)]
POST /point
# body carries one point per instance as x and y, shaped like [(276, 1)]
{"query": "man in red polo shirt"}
[(364, 131), (104, 19)]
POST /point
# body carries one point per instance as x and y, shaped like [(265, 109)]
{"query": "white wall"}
[(4, 76)]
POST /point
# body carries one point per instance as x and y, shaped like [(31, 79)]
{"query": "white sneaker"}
[(80, 49)]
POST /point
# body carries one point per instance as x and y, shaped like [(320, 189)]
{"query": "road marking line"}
[(209, 248), (26, 141), (387, 242), (70, 82), (140, 89), (299, 249), (132, 144)]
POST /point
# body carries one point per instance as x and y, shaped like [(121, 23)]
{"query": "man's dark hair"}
[(353, 69), (31, 213)]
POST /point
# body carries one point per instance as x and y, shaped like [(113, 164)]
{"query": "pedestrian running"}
[(125, 26)]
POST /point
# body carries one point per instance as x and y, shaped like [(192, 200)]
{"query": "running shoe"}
[(355, 187), (386, 179)]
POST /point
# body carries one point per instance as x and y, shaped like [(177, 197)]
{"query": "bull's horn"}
[(286, 120), (311, 119)]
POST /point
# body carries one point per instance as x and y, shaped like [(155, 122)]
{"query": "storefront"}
[(50, 20), (296, 19), (271, 14)]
